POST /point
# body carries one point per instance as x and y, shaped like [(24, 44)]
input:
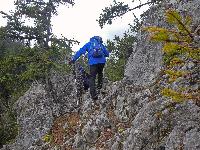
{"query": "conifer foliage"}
[(118, 9), (181, 50), (28, 52), (121, 49)]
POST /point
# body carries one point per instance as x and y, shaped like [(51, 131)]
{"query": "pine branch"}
[(139, 6), (118, 10), (147, 3), (181, 23)]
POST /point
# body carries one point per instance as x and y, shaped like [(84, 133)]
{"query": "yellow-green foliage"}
[(178, 48), (176, 96), (176, 61), (173, 75), (120, 129), (182, 23), (47, 138), (160, 34)]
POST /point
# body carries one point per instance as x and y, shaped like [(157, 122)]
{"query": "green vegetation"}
[(28, 53), (47, 138), (118, 9), (180, 48), (8, 127), (121, 49)]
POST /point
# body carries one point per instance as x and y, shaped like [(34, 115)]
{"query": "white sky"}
[(79, 22)]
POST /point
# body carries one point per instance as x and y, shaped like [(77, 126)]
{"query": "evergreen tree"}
[(118, 9), (28, 53), (121, 49)]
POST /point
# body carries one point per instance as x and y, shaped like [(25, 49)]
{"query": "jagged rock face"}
[(144, 65), (37, 109), (145, 62), (35, 116), (132, 115), (157, 127)]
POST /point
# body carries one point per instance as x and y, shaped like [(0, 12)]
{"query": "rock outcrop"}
[(132, 115)]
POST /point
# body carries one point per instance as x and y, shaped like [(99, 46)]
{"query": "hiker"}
[(97, 54)]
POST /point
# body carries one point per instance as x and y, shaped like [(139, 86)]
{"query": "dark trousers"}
[(95, 70)]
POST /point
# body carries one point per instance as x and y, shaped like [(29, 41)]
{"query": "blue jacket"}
[(91, 60)]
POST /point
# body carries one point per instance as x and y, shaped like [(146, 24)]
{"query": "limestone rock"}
[(132, 114)]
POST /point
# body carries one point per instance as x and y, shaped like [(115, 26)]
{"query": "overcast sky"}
[(79, 22)]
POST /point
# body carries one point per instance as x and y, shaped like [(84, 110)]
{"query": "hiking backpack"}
[(96, 47)]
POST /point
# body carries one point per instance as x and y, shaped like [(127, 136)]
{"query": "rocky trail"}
[(132, 114)]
